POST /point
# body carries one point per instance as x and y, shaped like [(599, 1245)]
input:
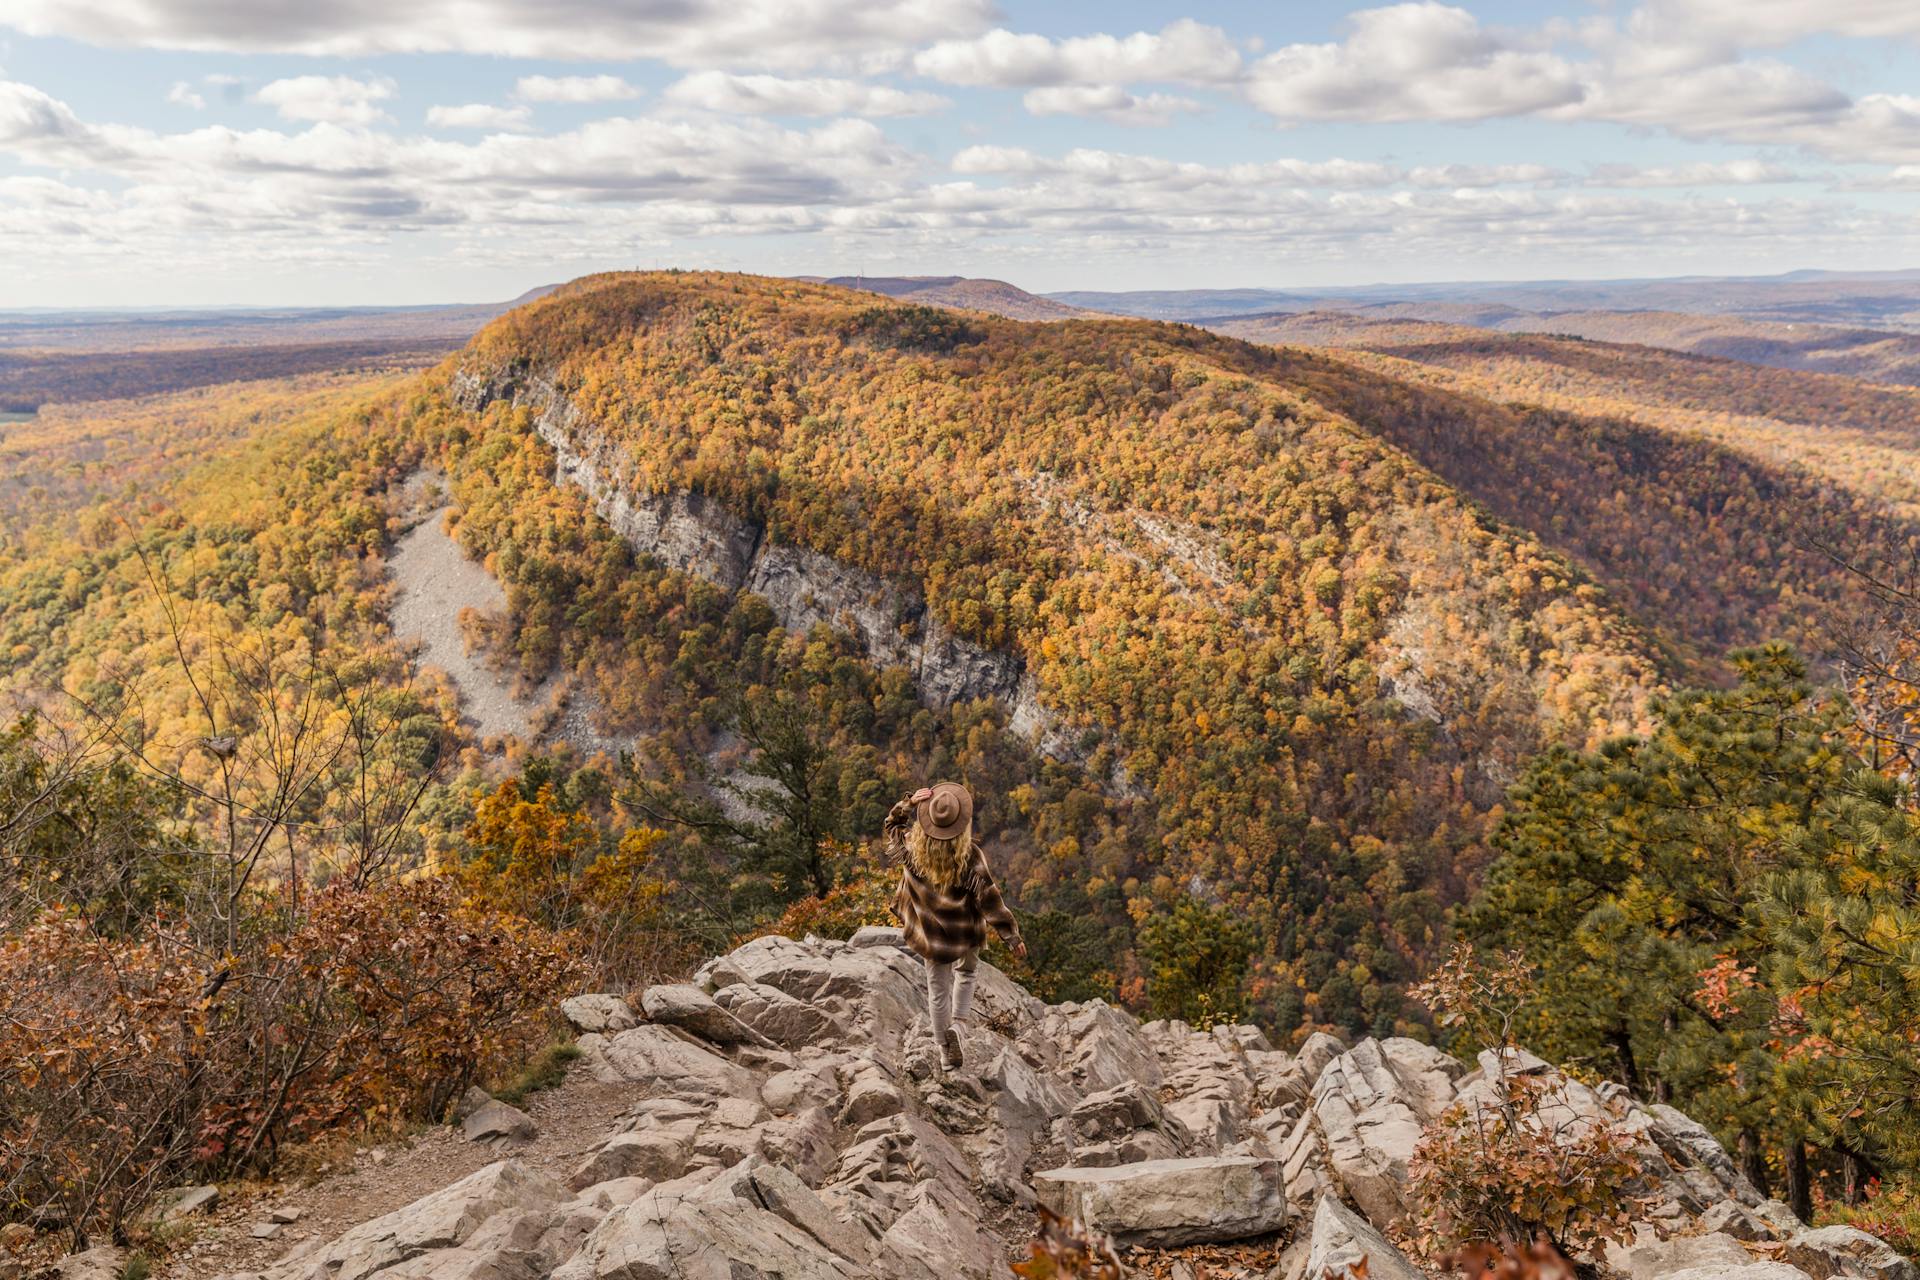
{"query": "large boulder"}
[(1702, 1164), (655, 1154), (598, 1014), (1651, 1255), (671, 1233), (667, 1060), (444, 1220), (938, 1236), (1168, 1202), (1101, 1046), (1343, 1244), (102, 1262), (779, 1191), (1753, 1269), (1123, 1125), (1369, 1108), (1826, 1252), (782, 1018), (693, 1010), (498, 1124)]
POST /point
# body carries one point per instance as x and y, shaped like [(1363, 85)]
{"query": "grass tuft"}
[(546, 1070)]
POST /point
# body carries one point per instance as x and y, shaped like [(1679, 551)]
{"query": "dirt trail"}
[(380, 1179)]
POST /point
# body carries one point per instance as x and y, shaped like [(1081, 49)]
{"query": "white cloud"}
[(327, 99), (783, 33), (480, 115), (1748, 100), (1095, 166), (1088, 165), (716, 156), (182, 95), (775, 96), (1184, 52), (1421, 61), (1676, 65), (1904, 177), (328, 199), (1750, 24), (216, 175), (1705, 174), (44, 130), (1108, 102), (1485, 175), (574, 89), (992, 159)]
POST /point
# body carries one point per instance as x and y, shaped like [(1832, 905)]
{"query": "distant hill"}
[(996, 297), (1872, 354), (1185, 304), (61, 357), (120, 331), (1858, 433), (1875, 300)]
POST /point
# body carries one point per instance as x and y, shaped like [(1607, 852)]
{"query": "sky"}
[(335, 152)]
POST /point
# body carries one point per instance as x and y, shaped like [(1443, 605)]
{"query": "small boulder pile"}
[(791, 1119)]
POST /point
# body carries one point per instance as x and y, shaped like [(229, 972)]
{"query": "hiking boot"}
[(950, 1050)]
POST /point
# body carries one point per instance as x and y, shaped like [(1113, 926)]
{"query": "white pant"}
[(950, 992)]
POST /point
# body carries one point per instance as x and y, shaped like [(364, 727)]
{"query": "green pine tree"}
[(1629, 877)]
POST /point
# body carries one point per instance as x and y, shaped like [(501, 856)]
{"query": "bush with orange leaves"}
[(432, 993), (128, 1063), (1521, 1161), (104, 1062)]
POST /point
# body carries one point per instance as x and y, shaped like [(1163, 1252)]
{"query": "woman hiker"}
[(947, 898)]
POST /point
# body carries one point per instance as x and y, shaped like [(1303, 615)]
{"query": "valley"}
[(1268, 647), (1238, 566), (959, 640)]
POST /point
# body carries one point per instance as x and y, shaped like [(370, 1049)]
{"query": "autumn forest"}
[(1297, 657)]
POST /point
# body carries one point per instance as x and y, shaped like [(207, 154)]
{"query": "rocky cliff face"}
[(790, 1119), (692, 532)]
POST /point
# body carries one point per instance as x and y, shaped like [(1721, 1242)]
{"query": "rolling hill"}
[(1260, 630), (1856, 434), (1885, 300), (1296, 620), (996, 297), (62, 357), (1871, 355)]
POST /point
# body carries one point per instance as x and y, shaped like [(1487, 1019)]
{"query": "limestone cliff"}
[(692, 532)]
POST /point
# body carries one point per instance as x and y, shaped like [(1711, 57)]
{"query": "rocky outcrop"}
[(500, 1216), (1847, 1251), (598, 1013), (497, 1124), (829, 1144), (1341, 1243), (1171, 1201), (690, 531)]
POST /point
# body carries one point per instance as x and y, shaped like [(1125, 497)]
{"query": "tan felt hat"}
[(944, 809)]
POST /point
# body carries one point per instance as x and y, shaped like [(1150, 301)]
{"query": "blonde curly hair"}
[(939, 862)]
